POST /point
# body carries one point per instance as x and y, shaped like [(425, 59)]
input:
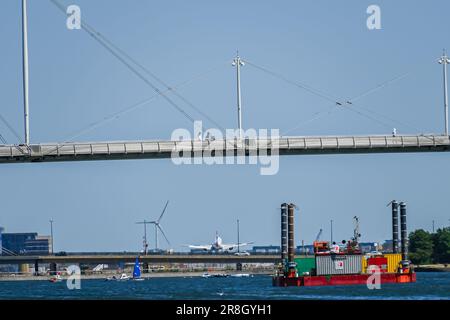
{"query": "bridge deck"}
[(164, 149), (157, 259)]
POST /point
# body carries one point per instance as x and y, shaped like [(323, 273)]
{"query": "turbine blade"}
[(164, 210), (159, 227)]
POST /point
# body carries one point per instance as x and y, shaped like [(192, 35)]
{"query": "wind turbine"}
[(157, 224)]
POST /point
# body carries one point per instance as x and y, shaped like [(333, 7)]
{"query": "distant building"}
[(387, 245), (1, 247), (41, 245), (26, 243), (305, 250), (367, 247), (266, 250)]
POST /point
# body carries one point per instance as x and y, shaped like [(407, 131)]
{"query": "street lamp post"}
[(25, 71), (331, 222), (51, 234), (238, 63), (145, 222), (238, 236), (444, 60)]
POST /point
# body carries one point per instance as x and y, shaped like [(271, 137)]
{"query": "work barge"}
[(349, 266)]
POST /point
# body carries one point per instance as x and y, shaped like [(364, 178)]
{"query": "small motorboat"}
[(242, 275), (122, 277), (216, 275), (56, 278)]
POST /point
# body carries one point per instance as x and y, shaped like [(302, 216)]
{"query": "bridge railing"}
[(167, 147)]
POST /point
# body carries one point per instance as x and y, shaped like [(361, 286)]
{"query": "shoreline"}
[(195, 274), (145, 276), (432, 268)]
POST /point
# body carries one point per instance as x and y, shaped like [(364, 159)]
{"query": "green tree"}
[(420, 246), (441, 243)]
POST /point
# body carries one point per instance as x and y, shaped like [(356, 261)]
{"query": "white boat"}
[(216, 275), (241, 275), (123, 277)]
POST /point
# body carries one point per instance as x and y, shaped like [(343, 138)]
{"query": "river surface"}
[(428, 286)]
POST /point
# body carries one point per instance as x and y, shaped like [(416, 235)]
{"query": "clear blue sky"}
[(325, 44)]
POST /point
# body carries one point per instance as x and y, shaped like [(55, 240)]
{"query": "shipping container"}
[(393, 260), (305, 265), (338, 264), (364, 263), (380, 262)]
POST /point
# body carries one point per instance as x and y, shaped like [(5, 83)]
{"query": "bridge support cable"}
[(3, 140), (118, 114), (168, 88), (317, 116), (380, 86), (394, 121), (126, 110), (120, 55), (11, 129), (348, 104), (8, 252), (311, 90), (14, 132)]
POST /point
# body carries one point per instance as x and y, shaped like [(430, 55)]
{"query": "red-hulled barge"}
[(339, 280), (333, 268)]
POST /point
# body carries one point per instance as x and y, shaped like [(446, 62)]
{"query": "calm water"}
[(428, 286)]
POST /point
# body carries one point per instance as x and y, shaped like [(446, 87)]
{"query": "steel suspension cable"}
[(348, 104), (163, 83), (127, 109), (94, 35), (14, 132), (295, 83)]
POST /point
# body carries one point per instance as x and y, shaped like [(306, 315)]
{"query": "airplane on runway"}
[(218, 245)]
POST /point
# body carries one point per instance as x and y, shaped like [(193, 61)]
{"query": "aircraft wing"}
[(232, 246), (205, 247)]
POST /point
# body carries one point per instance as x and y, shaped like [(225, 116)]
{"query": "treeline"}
[(426, 247)]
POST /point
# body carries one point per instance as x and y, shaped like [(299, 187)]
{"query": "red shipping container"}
[(380, 262)]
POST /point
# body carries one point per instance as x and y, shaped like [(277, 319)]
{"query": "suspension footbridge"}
[(166, 149), (27, 152)]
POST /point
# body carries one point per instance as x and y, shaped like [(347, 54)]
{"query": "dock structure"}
[(122, 150)]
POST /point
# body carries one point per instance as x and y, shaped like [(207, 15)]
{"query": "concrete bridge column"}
[(36, 268), (145, 267), (53, 268)]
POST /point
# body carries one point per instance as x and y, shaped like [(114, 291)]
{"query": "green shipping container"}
[(305, 265)]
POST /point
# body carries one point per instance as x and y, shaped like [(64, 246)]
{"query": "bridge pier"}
[(36, 268), (53, 269), (145, 267)]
